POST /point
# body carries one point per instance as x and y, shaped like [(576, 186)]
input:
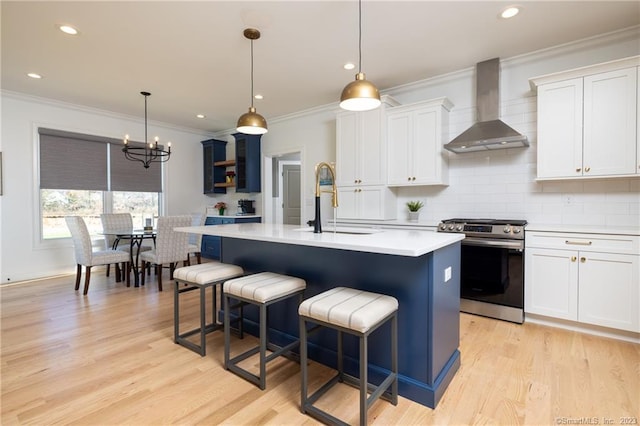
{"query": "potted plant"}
[(220, 205), (414, 209)]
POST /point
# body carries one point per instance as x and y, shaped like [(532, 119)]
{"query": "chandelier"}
[(151, 152), (361, 94)]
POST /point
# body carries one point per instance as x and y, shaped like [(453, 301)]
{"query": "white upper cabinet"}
[(588, 121), (361, 146), (361, 164), (416, 134)]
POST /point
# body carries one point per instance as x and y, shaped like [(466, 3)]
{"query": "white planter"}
[(414, 216)]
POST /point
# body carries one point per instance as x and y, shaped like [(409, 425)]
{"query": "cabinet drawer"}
[(624, 244)]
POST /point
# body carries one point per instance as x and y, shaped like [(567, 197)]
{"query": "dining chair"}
[(114, 222), (195, 240), (171, 246), (85, 256)]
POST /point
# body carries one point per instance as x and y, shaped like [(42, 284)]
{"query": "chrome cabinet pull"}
[(587, 169), (573, 258), (583, 259), (578, 169), (578, 243)]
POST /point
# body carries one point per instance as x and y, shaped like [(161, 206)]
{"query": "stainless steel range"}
[(492, 266)]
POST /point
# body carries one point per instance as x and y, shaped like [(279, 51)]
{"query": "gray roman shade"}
[(129, 175), (86, 162)]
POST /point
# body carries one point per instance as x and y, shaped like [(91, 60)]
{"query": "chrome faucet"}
[(317, 226)]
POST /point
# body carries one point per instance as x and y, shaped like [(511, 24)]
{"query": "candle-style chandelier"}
[(151, 152)]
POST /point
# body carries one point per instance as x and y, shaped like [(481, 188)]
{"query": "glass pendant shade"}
[(360, 95), (252, 123)]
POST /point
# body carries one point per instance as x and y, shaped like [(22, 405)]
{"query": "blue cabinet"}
[(215, 166), (248, 170), (211, 244)]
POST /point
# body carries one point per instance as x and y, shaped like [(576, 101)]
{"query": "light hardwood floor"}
[(109, 358)]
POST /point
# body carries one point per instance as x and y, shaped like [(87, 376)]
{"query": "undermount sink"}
[(342, 230)]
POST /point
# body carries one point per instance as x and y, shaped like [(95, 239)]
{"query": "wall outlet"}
[(447, 274), (568, 199)]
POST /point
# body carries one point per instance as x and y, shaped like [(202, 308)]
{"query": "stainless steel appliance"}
[(492, 266), (245, 207)]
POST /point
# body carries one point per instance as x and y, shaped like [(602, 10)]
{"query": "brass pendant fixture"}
[(251, 122), (361, 94)]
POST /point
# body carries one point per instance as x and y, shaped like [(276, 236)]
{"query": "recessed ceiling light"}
[(34, 75), (68, 29), (200, 116), (258, 96), (349, 66), (510, 12)]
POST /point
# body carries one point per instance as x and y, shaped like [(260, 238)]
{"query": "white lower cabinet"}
[(588, 278), (366, 202)]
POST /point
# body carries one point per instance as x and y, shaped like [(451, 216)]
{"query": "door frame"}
[(273, 206)]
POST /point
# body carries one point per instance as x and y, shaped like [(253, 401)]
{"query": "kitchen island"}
[(419, 268)]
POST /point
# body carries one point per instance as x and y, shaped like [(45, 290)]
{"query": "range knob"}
[(507, 229), (517, 230), (451, 227), (458, 228), (443, 226)]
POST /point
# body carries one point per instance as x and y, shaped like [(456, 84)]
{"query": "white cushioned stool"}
[(201, 277), (262, 289), (358, 313)]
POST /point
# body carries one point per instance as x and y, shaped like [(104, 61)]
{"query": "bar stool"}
[(263, 290), (358, 313), (200, 277)]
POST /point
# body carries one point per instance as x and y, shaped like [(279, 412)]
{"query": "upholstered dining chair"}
[(85, 256), (195, 240), (114, 222), (171, 246)]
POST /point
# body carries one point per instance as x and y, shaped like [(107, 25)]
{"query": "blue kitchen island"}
[(419, 268)]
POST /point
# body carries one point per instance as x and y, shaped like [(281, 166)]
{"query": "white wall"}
[(24, 255), (497, 184), (501, 183)]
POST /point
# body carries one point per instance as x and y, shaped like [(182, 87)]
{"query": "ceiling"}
[(193, 57)]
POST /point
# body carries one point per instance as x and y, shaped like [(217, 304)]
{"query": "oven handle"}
[(484, 242)]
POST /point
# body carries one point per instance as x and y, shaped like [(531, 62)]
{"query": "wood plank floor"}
[(108, 358)]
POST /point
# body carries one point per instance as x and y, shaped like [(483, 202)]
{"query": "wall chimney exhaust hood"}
[(489, 132)]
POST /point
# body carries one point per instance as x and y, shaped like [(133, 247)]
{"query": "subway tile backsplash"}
[(501, 184)]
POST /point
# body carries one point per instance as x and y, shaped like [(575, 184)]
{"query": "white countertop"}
[(234, 215), (386, 241), (584, 229)]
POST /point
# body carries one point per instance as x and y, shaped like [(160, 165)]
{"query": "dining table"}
[(135, 238)]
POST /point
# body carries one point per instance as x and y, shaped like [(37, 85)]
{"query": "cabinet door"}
[(551, 283), (398, 152), (610, 120), (425, 155), (248, 168), (560, 129), (371, 203), (609, 290), (372, 148), (347, 204), (347, 154)]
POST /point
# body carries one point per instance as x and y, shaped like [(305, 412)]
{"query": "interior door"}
[(291, 194)]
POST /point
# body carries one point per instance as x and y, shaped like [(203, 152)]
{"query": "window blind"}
[(129, 175), (79, 161), (69, 163)]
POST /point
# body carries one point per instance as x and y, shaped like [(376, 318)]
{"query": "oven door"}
[(493, 271)]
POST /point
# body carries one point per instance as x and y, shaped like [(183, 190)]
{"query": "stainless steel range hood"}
[(489, 132)]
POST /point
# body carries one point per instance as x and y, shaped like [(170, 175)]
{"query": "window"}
[(86, 175)]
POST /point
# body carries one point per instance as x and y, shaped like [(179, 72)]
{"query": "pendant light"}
[(361, 94), (251, 122)]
